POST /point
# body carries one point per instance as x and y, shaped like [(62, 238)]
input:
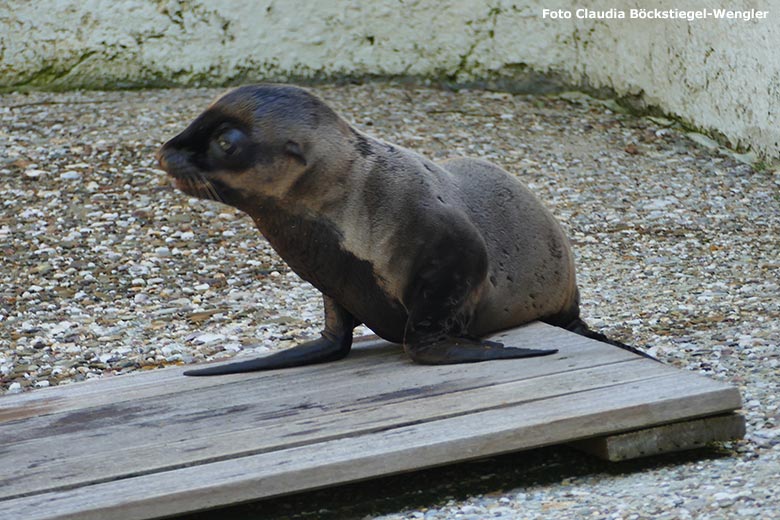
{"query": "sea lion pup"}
[(431, 255)]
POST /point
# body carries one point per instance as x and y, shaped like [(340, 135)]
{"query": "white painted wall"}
[(721, 75)]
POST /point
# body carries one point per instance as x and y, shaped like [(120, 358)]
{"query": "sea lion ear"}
[(294, 149)]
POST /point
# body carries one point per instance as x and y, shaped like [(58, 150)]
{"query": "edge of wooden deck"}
[(612, 414)]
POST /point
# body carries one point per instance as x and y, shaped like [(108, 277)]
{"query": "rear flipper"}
[(335, 344), (580, 327), (452, 350)]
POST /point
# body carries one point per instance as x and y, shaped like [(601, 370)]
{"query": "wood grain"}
[(159, 443)]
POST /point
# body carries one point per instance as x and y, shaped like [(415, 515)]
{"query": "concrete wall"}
[(720, 75)]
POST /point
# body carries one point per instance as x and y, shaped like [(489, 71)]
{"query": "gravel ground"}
[(107, 270)]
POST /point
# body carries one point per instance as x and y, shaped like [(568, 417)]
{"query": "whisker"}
[(199, 185), (194, 188), (216, 194), (213, 193), (202, 189)]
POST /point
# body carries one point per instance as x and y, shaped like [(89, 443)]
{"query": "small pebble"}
[(70, 176)]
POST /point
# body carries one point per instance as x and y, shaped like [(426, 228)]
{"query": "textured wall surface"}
[(721, 75)]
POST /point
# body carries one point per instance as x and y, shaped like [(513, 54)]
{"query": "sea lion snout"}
[(170, 161), (168, 155)]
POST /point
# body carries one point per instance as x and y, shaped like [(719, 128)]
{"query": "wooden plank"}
[(291, 388), (533, 424), (139, 385), (303, 387), (176, 442), (666, 438), (80, 443)]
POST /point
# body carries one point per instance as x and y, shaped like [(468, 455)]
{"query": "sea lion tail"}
[(580, 327)]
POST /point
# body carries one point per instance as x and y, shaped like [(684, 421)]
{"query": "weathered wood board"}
[(667, 438), (156, 444)]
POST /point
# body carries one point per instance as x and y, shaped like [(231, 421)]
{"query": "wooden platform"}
[(158, 443)]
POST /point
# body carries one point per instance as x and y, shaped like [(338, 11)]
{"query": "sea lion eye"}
[(229, 141)]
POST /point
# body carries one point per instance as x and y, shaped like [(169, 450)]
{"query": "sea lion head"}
[(253, 142)]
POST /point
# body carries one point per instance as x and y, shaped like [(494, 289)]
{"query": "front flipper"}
[(335, 344), (452, 350)]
